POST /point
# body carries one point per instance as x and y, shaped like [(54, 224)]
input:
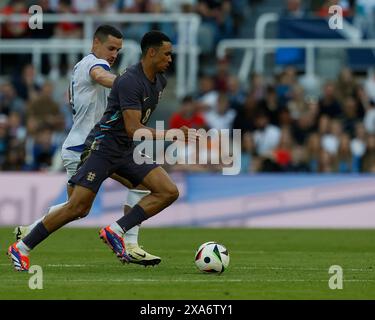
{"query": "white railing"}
[(58, 46), (256, 50), (271, 45), (186, 49)]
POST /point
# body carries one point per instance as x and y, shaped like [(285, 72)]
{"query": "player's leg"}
[(87, 181), (78, 206), (136, 253), (163, 193), (71, 160)]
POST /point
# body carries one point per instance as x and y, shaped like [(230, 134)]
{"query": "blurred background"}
[(302, 93)]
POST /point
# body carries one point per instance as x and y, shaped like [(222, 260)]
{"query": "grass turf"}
[(265, 264)]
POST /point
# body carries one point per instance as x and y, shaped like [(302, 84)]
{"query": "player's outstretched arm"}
[(132, 121), (102, 76)]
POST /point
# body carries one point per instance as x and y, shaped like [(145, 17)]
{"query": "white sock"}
[(131, 236), (115, 227), (24, 249), (134, 196), (50, 209)]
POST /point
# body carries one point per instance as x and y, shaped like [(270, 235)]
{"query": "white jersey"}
[(88, 100)]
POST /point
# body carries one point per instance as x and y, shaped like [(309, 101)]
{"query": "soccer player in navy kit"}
[(133, 97)]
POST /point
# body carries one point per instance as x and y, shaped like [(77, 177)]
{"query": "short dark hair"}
[(153, 39), (105, 30)]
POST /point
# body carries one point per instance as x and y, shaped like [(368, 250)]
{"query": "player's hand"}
[(190, 134)]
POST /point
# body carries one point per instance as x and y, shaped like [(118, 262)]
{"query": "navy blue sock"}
[(135, 216), (36, 236)]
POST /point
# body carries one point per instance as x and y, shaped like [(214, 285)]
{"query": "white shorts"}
[(70, 160)]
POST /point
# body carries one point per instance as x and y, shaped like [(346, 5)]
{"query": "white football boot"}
[(139, 256)]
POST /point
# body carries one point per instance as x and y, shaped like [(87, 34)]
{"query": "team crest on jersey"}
[(91, 176)]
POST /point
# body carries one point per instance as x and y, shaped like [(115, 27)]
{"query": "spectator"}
[(222, 75), (187, 116), (299, 160), (271, 104), (43, 149), (313, 151), (26, 86), (266, 135), (235, 93), (328, 103), (45, 110), (306, 123), (350, 115), (331, 139), (217, 23), (9, 101), (363, 101), (358, 145), (286, 81), (61, 63), (345, 85), (244, 119), (207, 95), (258, 86), (344, 156), (67, 29), (16, 130), (282, 155), (297, 105), (15, 158), (326, 162), (222, 116), (12, 29)]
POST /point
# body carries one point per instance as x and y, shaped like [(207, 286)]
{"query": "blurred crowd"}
[(284, 127)]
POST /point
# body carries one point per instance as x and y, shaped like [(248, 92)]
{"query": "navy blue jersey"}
[(130, 91)]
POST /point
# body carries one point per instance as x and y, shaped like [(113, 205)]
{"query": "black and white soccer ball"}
[(212, 257)]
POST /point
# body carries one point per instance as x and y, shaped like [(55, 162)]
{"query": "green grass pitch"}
[(265, 264)]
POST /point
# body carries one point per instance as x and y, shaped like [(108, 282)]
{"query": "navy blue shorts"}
[(99, 165)]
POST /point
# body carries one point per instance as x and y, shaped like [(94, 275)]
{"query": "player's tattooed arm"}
[(102, 76)]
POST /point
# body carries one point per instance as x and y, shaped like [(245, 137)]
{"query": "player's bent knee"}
[(171, 194), (79, 210)]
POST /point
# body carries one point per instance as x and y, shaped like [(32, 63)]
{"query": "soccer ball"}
[(212, 257)]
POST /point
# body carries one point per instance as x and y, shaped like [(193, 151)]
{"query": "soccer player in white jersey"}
[(91, 80)]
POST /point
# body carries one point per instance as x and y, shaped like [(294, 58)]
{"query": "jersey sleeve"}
[(130, 93), (98, 63)]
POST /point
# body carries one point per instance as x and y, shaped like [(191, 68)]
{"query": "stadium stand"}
[(287, 127)]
